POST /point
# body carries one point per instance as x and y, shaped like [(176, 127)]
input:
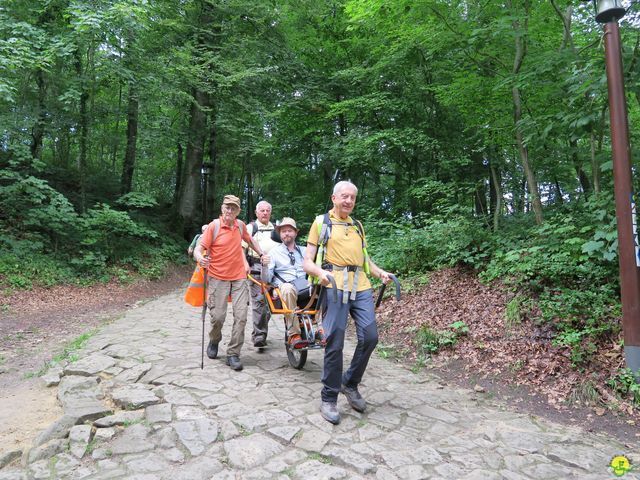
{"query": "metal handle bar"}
[(383, 288), (334, 288)]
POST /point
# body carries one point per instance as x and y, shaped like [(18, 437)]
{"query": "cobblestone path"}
[(138, 406)]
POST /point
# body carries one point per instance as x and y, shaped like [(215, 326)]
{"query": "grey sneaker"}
[(354, 398), (234, 362), (329, 411)]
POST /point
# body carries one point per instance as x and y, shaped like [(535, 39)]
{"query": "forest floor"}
[(39, 325), (515, 361), (517, 364)]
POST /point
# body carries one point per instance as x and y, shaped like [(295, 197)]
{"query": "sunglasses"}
[(292, 258)]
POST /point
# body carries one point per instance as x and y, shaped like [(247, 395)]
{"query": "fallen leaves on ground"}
[(515, 353)]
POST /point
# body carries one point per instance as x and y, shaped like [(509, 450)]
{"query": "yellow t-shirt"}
[(343, 248)]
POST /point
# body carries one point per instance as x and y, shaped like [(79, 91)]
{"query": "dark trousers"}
[(334, 323)]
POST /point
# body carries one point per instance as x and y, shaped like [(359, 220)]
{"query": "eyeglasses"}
[(292, 258)]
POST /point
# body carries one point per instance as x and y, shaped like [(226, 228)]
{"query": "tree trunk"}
[(179, 168), (248, 187), (84, 131), (128, 165), (115, 139), (577, 165), (520, 48), (519, 200), (213, 159), (37, 133), (595, 166), (556, 186), (496, 188), (188, 203)]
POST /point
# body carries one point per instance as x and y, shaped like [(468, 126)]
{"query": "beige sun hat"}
[(288, 222)]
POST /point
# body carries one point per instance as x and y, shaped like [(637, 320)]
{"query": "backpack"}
[(324, 234), (216, 229), (275, 236)]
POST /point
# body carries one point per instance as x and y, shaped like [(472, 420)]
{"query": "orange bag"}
[(195, 291)]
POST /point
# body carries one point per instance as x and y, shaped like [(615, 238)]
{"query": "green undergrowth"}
[(562, 274), (45, 241), (626, 386)]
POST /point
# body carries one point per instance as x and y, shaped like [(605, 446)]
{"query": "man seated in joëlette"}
[(285, 266)]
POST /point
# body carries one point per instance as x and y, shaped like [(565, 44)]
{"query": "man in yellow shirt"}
[(345, 258)]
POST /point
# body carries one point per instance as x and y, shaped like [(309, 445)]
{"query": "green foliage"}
[(403, 248), (555, 267), (514, 311), (431, 341), (626, 384), (136, 200), (45, 242), (110, 233), (35, 210), (21, 270), (573, 282)]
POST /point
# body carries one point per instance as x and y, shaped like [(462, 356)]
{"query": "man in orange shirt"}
[(227, 271)]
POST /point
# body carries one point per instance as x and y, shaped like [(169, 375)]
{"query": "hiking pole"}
[(204, 313), (384, 286)]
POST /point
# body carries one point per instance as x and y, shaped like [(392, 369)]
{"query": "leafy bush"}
[(45, 242), (23, 272), (431, 341), (30, 206), (136, 200), (110, 233), (567, 265), (626, 385), (406, 249)]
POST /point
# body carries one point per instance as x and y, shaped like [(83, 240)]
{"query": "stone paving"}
[(137, 406)]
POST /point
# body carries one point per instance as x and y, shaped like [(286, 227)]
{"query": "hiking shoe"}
[(212, 350), (354, 398), (296, 341), (234, 362), (329, 411), (259, 342)]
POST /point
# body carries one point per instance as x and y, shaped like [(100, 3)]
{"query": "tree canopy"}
[(477, 132)]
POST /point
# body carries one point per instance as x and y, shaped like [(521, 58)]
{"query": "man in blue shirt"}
[(285, 266)]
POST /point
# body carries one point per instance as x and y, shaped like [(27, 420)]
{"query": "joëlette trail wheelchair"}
[(309, 314)]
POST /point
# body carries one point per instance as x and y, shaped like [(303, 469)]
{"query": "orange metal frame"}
[(272, 308)]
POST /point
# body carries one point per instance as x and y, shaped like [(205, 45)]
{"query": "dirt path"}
[(37, 325), (159, 415)]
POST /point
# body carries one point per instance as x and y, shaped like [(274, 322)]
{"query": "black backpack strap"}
[(325, 231), (275, 274)]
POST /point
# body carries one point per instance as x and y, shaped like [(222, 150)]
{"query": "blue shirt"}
[(281, 264)]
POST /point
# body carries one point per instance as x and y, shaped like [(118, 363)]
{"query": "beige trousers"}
[(289, 295), (217, 294)]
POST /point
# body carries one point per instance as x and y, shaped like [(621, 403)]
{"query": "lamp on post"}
[(205, 170), (609, 12)]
